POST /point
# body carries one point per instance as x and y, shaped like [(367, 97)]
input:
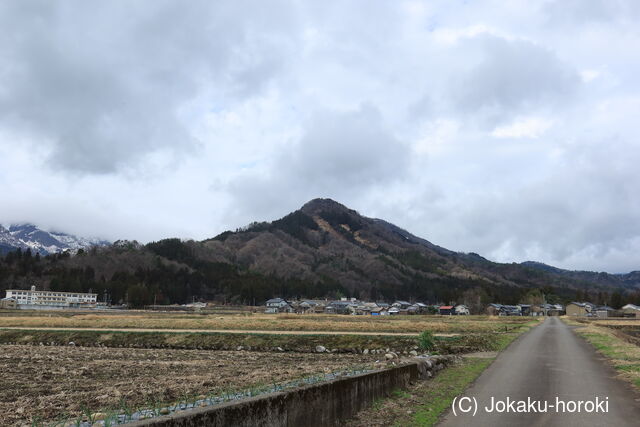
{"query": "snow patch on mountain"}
[(29, 236)]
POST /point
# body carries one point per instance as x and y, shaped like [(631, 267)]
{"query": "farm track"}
[(547, 363)]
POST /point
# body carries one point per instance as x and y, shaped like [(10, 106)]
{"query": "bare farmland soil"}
[(45, 382)]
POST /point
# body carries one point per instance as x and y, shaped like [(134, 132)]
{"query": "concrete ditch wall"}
[(326, 404)]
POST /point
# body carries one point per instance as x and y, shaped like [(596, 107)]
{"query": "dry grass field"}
[(631, 322), (264, 322), (618, 340), (47, 383)]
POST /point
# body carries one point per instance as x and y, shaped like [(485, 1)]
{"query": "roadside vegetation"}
[(423, 403), (617, 341)]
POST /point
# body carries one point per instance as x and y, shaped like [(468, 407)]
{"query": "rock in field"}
[(98, 416), (389, 356), (320, 349)]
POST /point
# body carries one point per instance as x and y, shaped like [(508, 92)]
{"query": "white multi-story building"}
[(52, 298)]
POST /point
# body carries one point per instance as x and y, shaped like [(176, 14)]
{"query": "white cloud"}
[(588, 75), (531, 127)]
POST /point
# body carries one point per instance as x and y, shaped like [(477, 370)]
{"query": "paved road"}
[(547, 362)]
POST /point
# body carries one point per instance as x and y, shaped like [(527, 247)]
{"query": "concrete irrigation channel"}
[(324, 404)]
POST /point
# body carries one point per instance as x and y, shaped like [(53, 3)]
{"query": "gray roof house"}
[(278, 305)]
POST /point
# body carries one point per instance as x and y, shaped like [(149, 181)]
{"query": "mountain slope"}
[(370, 256), (627, 280), (324, 249), (28, 236)]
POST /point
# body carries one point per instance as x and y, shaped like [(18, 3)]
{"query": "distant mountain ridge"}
[(327, 239), (324, 249), (603, 278), (29, 236)]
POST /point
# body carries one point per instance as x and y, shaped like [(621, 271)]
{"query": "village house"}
[(402, 306), (493, 309), (525, 309), (305, 307), (367, 308), (384, 305), (278, 305), (341, 307), (461, 310), (538, 310), (447, 310), (420, 308), (379, 311), (631, 310), (393, 311), (555, 310), (510, 310), (604, 311), (580, 308)]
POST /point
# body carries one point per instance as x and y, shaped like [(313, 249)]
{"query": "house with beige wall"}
[(579, 308)]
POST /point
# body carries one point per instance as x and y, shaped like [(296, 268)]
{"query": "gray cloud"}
[(586, 208), (339, 155), (565, 13), (511, 77), (102, 84)]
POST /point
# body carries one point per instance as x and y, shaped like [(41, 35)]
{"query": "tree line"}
[(175, 275)]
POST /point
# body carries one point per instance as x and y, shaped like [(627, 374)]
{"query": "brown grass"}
[(264, 322), (623, 355)]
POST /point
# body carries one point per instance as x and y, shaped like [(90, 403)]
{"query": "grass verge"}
[(622, 354), (445, 387), (423, 403)]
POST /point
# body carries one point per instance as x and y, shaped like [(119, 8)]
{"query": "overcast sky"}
[(509, 129)]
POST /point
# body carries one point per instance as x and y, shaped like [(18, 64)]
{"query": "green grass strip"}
[(448, 384)]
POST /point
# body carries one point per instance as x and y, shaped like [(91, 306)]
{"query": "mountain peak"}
[(22, 227), (29, 236), (313, 207)]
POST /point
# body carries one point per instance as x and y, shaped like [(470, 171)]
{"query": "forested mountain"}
[(322, 250)]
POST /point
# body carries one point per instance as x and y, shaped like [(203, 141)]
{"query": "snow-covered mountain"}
[(26, 236)]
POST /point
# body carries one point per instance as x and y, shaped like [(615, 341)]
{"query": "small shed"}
[(8, 303)]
